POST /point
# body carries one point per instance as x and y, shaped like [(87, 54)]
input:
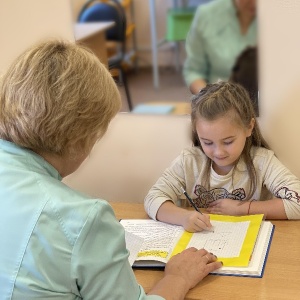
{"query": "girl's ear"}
[(250, 127)]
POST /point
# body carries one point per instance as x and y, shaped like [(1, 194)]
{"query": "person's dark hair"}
[(245, 72), (232, 100)]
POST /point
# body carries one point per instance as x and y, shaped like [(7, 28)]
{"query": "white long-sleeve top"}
[(188, 171)]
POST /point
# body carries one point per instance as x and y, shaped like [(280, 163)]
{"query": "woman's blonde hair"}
[(230, 99), (58, 98)]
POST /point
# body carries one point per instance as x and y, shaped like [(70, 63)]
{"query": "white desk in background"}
[(92, 35)]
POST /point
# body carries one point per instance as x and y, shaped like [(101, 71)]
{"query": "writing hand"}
[(194, 221)]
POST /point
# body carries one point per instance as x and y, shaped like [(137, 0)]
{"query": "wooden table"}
[(281, 279), (92, 35)]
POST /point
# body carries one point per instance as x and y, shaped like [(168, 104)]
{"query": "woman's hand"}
[(228, 207), (184, 271), (193, 265)]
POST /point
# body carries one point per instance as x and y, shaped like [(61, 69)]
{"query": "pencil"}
[(190, 199), (193, 204)]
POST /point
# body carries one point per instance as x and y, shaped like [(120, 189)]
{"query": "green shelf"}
[(178, 23)]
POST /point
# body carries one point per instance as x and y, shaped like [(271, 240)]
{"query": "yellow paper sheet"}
[(248, 240)]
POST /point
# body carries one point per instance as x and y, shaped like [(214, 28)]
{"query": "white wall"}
[(279, 44), (126, 162), (166, 55), (23, 23)]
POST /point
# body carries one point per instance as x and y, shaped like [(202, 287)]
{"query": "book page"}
[(133, 245), (232, 241), (159, 238), (226, 241), (258, 258)]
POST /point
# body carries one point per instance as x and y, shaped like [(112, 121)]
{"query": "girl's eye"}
[(207, 143), (228, 142)]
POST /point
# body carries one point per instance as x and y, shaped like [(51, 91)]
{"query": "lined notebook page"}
[(226, 240), (134, 244)]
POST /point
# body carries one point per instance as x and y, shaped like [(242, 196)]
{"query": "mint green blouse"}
[(55, 242), (215, 41)]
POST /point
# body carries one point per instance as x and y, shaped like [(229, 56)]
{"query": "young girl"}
[(230, 170)]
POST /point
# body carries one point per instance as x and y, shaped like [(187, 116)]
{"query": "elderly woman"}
[(56, 101)]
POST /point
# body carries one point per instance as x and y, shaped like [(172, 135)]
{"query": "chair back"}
[(133, 154), (112, 10)]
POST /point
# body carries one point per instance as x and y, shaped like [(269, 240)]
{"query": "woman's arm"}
[(197, 85), (196, 67)]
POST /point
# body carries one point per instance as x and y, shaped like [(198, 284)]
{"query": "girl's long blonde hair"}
[(225, 98)]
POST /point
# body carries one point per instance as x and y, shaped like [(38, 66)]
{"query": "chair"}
[(111, 10)]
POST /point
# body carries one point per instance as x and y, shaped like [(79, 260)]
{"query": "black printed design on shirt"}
[(205, 197), (285, 193)]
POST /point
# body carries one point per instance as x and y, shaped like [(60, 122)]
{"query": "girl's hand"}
[(228, 207), (194, 221)]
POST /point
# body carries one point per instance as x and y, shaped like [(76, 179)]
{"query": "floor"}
[(172, 87)]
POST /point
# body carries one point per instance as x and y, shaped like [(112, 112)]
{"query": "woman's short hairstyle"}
[(57, 97)]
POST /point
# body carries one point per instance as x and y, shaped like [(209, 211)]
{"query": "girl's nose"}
[(219, 151)]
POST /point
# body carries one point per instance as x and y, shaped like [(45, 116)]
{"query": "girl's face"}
[(223, 141)]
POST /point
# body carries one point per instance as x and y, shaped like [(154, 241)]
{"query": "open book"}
[(241, 243)]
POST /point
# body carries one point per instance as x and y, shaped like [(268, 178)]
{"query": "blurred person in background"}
[(221, 30)]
